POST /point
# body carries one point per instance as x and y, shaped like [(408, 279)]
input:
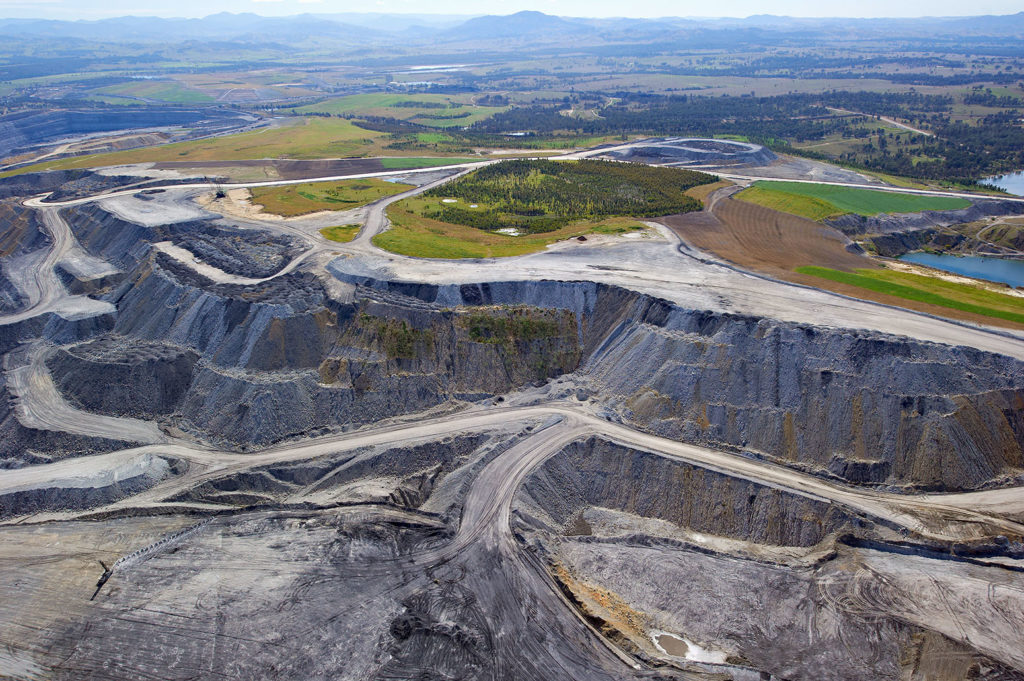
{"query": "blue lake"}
[(991, 269), (1012, 183)]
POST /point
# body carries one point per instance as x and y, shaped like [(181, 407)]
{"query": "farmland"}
[(435, 111)]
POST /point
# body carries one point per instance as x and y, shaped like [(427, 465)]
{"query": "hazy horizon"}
[(75, 10)]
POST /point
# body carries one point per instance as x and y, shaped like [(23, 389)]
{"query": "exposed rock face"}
[(78, 284), (866, 407), (289, 359), (862, 406), (11, 299), (898, 243), (72, 184), (603, 474), (22, 239), (21, 230), (403, 476), (248, 252), (853, 225)]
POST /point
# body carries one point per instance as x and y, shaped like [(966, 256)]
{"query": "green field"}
[(341, 233), (820, 201), (420, 237), (302, 138), (438, 111), (301, 199), (408, 163), (931, 290)]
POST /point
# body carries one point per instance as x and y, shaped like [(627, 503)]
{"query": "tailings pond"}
[(981, 267)]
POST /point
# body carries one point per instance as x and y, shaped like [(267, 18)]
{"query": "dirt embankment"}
[(774, 243), (764, 240)]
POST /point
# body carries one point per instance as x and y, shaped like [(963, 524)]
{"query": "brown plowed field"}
[(773, 243), (764, 240)]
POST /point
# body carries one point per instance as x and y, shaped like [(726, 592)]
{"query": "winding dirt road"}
[(950, 517)]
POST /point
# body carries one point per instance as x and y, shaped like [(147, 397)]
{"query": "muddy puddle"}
[(673, 645)]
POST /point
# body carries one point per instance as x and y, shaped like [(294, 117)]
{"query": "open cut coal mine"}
[(318, 474), (27, 130)]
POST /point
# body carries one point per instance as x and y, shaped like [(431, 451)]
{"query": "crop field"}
[(818, 202), (438, 111), (417, 236), (974, 300), (305, 138), (340, 233), (302, 199)]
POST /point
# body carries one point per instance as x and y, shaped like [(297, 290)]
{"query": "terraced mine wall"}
[(863, 407), (895, 244), (21, 236), (11, 299), (249, 253), (597, 473), (21, 230), (290, 359), (855, 405), (137, 379), (53, 328), (406, 476)]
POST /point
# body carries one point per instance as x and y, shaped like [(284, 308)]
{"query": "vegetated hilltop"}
[(542, 196)]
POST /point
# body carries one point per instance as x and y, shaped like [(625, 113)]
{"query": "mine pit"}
[(616, 460)]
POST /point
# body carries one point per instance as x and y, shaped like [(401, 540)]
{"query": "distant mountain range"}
[(525, 26)]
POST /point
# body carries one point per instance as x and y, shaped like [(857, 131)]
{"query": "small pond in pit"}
[(1012, 183), (673, 645), (991, 269)]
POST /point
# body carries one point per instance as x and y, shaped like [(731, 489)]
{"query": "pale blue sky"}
[(95, 9)]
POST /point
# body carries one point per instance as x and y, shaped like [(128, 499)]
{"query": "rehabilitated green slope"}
[(821, 201)]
